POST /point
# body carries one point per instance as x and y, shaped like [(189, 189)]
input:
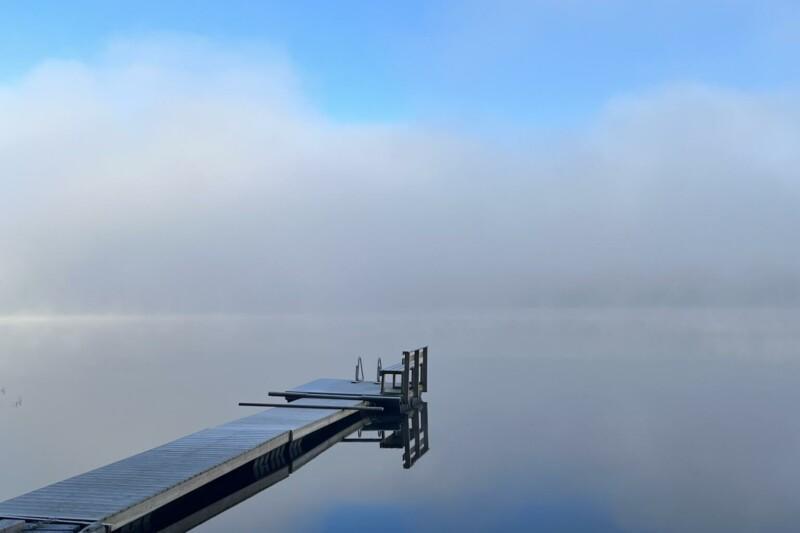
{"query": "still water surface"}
[(542, 420)]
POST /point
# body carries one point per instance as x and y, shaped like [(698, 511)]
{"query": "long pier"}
[(180, 484)]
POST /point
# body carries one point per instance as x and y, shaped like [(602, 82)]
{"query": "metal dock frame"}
[(413, 371)]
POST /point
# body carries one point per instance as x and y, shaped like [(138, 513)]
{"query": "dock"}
[(180, 484)]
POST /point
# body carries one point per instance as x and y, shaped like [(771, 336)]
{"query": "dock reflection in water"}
[(406, 431)]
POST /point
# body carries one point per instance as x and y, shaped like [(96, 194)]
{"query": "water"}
[(570, 419)]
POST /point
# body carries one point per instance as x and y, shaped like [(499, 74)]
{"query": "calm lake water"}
[(541, 420)]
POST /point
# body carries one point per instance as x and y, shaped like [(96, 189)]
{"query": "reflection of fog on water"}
[(606, 420)]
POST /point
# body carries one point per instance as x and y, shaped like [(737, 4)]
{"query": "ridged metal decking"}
[(176, 486), (121, 492)]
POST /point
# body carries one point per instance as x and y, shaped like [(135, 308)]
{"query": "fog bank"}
[(175, 177)]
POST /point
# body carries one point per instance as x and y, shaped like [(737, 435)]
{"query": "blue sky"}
[(546, 63)]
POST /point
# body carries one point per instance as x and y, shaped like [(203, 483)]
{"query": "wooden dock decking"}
[(115, 496)]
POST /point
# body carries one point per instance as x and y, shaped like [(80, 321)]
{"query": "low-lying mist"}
[(183, 177)]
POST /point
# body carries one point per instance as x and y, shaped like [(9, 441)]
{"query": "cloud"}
[(173, 175)]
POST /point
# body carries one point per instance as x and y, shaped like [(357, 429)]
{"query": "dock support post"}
[(424, 369), (406, 397), (415, 375)]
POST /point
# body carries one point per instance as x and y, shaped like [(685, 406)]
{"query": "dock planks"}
[(121, 492)]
